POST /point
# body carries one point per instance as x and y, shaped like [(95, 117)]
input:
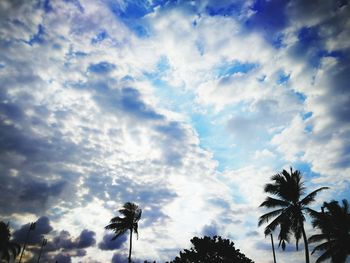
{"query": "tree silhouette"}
[(334, 224), (31, 228), (289, 189), (211, 250), (131, 215), (7, 247)]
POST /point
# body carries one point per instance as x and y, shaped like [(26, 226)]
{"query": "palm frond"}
[(322, 246), (279, 220), (272, 189), (346, 206), (273, 202), (266, 217), (311, 197), (135, 228), (326, 255), (118, 233), (317, 238)]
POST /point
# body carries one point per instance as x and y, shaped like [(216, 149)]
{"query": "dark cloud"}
[(123, 258), (62, 258), (64, 240), (172, 136), (101, 68), (126, 100), (108, 244), (61, 248), (266, 245), (119, 258), (29, 158), (218, 202), (250, 127), (172, 130), (211, 230), (252, 233), (42, 228), (131, 102), (86, 239)]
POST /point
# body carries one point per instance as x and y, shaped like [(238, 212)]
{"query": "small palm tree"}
[(7, 247), (334, 224), (289, 189), (131, 215)]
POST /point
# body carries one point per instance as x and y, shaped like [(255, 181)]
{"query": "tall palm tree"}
[(131, 215), (288, 188), (334, 224), (7, 247)]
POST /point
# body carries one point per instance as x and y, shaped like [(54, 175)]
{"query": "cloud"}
[(64, 240), (101, 68), (42, 228), (210, 230), (117, 258), (252, 234), (60, 246), (108, 244), (63, 258)]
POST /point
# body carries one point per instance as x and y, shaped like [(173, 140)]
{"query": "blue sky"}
[(184, 107)]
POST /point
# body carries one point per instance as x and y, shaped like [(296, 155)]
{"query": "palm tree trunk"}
[(130, 245), (273, 249), (307, 259), (41, 250), (43, 243), (24, 246)]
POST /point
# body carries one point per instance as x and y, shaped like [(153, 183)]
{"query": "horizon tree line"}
[(287, 193)]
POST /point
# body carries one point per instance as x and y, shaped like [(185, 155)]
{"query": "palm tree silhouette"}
[(334, 224), (288, 188), (7, 247), (31, 228), (131, 215)]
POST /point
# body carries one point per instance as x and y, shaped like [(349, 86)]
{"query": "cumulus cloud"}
[(42, 228), (64, 240), (108, 244), (60, 246)]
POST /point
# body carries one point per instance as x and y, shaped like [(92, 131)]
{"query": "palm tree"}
[(43, 244), (273, 249), (334, 224), (288, 188), (7, 247), (131, 215), (31, 228)]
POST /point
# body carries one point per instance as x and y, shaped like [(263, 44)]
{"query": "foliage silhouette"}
[(334, 224), (7, 247), (289, 189), (211, 250), (131, 215)]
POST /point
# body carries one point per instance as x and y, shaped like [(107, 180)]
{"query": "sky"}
[(186, 108)]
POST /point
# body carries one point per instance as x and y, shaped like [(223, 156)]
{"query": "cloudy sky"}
[(186, 108)]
